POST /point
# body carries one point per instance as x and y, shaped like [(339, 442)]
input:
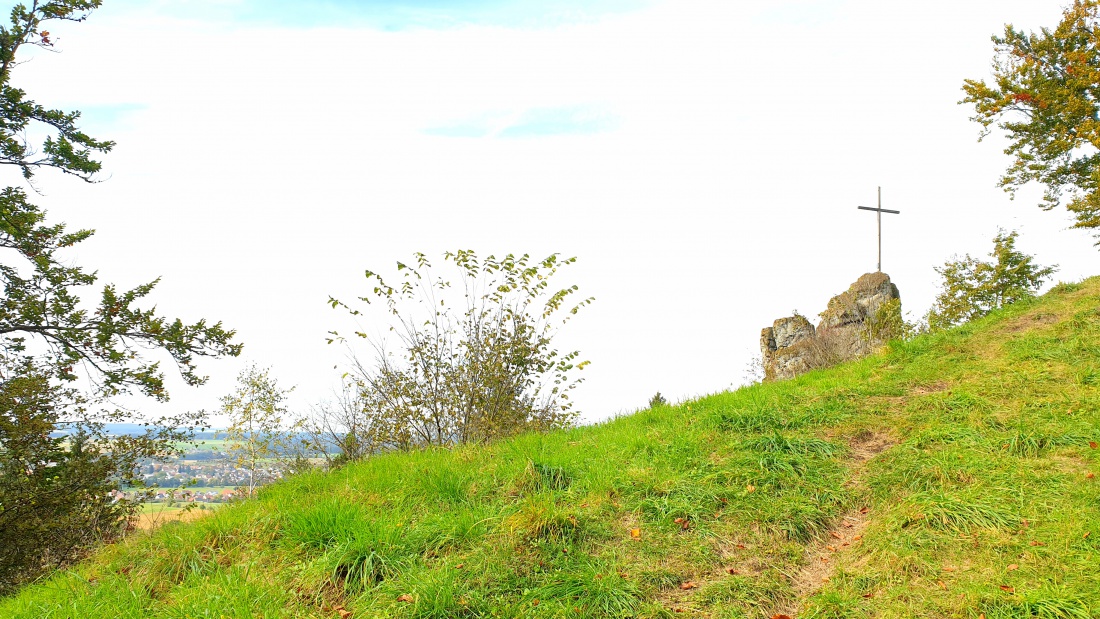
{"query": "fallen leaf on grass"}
[(688, 585), (864, 510), (831, 548), (344, 614), (868, 595), (781, 616), (732, 571), (636, 533), (1087, 534), (834, 535), (1008, 589), (942, 585), (1013, 567), (405, 597), (948, 569), (1090, 475), (1092, 444), (460, 566), (1036, 542), (750, 488)]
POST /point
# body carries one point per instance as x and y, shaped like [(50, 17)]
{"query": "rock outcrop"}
[(792, 346)]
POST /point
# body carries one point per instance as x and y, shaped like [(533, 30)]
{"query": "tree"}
[(475, 362), (63, 360), (341, 430), (972, 288), (257, 417), (1046, 97)]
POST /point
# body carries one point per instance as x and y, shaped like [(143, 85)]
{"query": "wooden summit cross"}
[(879, 212)]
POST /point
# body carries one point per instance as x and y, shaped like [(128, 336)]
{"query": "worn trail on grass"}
[(819, 560)]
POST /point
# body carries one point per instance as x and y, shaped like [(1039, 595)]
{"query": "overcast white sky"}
[(702, 159)]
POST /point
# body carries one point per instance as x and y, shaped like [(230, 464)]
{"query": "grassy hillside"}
[(951, 476)]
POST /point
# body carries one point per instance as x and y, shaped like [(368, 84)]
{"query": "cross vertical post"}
[(878, 214)]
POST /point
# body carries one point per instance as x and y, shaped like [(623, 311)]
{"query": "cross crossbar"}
[(881, 210), (878, 213)]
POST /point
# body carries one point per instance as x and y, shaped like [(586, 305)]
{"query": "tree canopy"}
[(66, 355), (1045, 96)]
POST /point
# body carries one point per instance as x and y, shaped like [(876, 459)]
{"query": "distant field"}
[(193, 489), (152, 515), (207, 445)]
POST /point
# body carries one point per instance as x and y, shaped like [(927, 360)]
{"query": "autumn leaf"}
[(942, 585), (1013, 567), (636, 533), (1008, 589), (781, 616), (750, 488), (1090, 475), (834, 535), (688, 585), (732, 571), (405, 597), (1092, 444), (1036, 542)]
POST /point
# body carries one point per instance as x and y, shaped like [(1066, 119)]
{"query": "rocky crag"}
[(854, 324)]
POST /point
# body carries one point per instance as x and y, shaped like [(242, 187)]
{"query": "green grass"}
[(981, 504)]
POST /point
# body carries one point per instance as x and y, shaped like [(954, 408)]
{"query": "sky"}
[(703, 160)]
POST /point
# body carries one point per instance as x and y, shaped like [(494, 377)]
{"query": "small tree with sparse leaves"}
[(260, 429), (972, 288), (474, 360)]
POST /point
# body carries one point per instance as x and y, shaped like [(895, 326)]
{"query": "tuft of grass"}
[(958, 513)]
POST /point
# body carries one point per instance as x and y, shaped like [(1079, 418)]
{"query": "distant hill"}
[(953, 475), (135, 429)]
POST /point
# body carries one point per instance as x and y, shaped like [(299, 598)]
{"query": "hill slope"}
[(951, 476)]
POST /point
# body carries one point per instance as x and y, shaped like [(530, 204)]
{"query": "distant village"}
[(202, 477)]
